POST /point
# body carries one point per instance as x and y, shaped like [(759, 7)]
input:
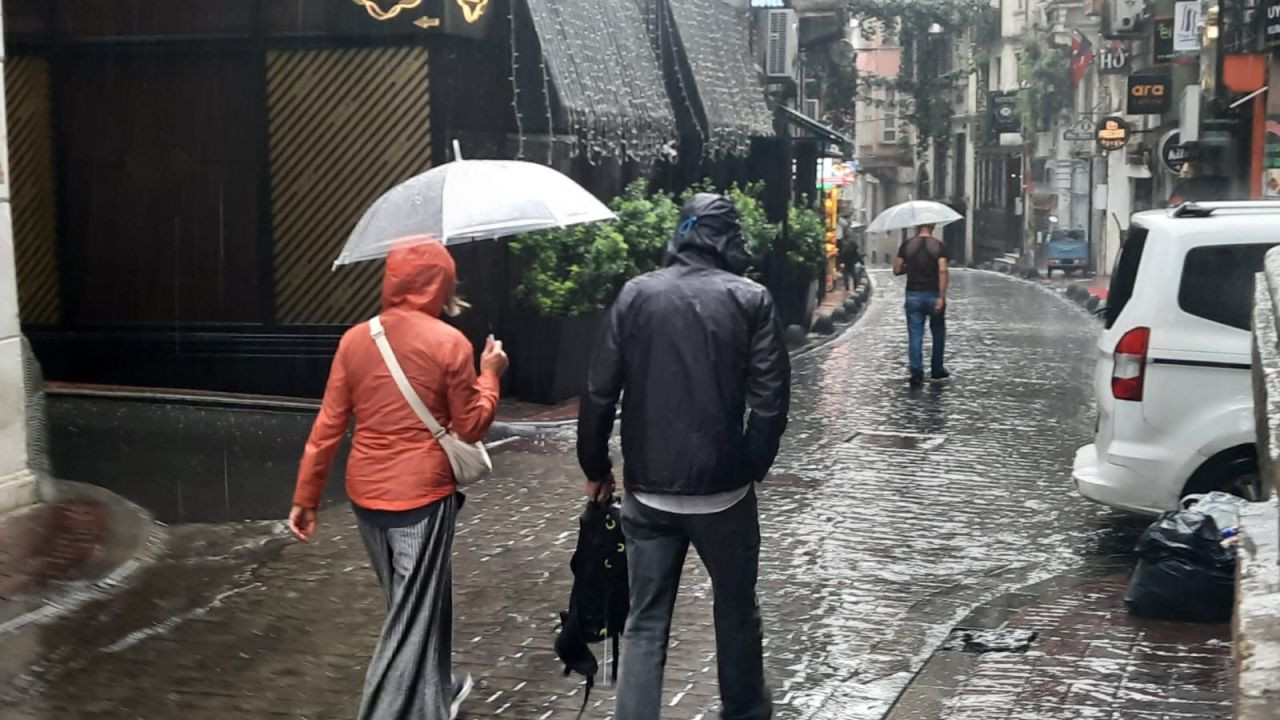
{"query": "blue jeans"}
[(920, 305)]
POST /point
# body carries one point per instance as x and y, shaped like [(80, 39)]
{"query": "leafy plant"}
[(646, 222), (807, 234), (1044, 71), (572, 271)]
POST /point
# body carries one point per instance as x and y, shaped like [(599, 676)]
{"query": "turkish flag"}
[(1081, 57)]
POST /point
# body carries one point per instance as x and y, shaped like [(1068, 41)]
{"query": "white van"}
[(1173, 382)]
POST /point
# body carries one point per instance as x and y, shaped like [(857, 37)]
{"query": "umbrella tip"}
[(457, 150)]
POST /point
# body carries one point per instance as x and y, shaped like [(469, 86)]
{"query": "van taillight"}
[(1130, 364)]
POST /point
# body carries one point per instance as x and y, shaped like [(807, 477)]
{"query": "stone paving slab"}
[(1091, 659), (872, 553)]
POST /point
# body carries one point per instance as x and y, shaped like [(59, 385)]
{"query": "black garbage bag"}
[(599, 601), (1183, 571)]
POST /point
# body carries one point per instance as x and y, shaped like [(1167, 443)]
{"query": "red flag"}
[(1081, 57)]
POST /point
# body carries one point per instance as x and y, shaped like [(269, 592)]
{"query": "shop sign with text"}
[(1113, 133), (1150, 94)]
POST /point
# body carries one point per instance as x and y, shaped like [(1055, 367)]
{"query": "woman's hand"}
[(494, 359), (302, 521)]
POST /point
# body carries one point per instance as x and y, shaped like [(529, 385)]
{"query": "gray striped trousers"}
[(410, 675)]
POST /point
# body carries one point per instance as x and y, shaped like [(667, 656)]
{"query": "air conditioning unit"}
[(1123, 18), (812, 108), (781, 41)]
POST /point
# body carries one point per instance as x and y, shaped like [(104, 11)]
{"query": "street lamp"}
[(935, 29)]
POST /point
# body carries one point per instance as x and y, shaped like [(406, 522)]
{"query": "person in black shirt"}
[(923, 259)]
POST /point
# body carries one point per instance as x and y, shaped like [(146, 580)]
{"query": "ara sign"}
[(1150, 94)]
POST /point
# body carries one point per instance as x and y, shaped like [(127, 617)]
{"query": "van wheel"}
[(1234, 471)]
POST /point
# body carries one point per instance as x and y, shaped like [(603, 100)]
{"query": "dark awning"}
[(727, 84), (823, 132), (605, 73)]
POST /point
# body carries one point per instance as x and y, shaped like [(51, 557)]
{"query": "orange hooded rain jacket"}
[(395, 463)]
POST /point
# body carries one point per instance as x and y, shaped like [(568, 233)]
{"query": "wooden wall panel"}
[(35, 215), (164, 187), (345, 126)]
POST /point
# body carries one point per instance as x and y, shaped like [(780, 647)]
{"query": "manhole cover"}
[(896, 441), (985, 641)]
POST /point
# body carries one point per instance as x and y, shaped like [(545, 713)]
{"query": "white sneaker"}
[(462, 687)]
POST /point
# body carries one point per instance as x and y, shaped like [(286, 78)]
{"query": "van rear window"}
[(1217, 282), (1125, 273)]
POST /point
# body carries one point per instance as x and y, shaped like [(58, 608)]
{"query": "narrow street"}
[(891, 515)]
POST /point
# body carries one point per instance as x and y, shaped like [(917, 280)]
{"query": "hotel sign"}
[(1113, 133)]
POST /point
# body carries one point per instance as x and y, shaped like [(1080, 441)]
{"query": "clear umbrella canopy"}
[(912, 214), (471, 200)]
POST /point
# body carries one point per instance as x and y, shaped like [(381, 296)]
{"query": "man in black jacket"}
[(691, 349)]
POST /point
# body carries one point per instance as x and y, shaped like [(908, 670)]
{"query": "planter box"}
[(550, 356)]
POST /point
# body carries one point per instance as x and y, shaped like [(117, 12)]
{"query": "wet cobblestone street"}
[(892, 514)]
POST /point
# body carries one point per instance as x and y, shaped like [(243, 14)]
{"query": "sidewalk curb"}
[(945, 670), (1076, 293), (144, 541), (503, 429)]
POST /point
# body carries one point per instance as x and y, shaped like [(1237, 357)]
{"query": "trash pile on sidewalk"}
[(1187, 561)]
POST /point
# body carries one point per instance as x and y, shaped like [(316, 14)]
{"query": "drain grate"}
[(985, 641), (896, 441)]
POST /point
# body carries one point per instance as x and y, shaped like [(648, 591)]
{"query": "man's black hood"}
[(709, 227)]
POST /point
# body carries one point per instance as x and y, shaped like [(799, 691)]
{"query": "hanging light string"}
[(665, 24), (515, 84)]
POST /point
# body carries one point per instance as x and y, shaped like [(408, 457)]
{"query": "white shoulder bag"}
[(470, 461)]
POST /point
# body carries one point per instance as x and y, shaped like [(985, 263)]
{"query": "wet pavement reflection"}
[(892, 514)]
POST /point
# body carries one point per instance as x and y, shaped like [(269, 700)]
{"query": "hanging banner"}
[(1003, 107), (1186, 28), (1162, 52)]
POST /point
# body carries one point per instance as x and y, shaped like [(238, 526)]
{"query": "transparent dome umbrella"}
[(912, 214), (467, 200)]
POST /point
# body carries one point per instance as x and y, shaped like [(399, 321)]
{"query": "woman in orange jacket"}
[(399, 479)]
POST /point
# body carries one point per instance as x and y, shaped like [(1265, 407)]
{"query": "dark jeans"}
[(729, 545), (920, 305)]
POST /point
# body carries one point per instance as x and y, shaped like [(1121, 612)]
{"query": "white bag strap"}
[(411, 397)]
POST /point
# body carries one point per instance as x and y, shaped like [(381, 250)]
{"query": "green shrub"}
[(807, 233), (571, 272), (580, 269)]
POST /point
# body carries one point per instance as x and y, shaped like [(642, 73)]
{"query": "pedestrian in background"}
[(924, 260), (691, 349), (399, 479), (851, 262)]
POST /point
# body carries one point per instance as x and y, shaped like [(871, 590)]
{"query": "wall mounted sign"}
[(1186, 27), (1162, 52), (455, 17), (1003, 107), (1113, 59), (1173, 154), (1081, 130), (1112, 133), (1271, 30), (1149, 94), (387, 10)]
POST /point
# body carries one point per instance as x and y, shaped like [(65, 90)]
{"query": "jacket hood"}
[(420, 276), (710, 227)]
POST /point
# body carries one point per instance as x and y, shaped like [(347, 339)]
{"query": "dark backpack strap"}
[(586, 695)]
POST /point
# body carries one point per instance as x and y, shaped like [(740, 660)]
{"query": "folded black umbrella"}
[(598, 603)]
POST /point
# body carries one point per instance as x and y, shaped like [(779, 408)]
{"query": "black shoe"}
[(939, 374), (917, 379)]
